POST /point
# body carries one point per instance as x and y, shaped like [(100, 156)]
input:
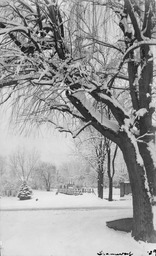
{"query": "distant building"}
[(125, 188)]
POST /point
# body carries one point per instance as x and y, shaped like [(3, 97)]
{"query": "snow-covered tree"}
[(47, 174), (25, 192), (78, 171), (96, 150), (23, 163), (51, 83), (91, 146)]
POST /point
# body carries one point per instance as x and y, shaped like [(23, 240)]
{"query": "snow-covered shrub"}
[(8, 188), (25, 192)]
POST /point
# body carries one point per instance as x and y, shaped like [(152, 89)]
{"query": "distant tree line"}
[(24, 166)]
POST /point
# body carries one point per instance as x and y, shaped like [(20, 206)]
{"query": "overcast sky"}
[(53, 146)]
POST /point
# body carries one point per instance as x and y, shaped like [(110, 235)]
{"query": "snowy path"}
[(70, 232)]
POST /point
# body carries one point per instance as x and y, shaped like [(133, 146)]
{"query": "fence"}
[(74, 191)]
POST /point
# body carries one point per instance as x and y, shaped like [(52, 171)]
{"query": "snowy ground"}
[(71, 226), (51, 200)]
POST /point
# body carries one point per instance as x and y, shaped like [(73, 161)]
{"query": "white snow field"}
[(62, 225)]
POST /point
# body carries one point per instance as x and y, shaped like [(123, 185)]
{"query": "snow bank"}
[(70, 232)]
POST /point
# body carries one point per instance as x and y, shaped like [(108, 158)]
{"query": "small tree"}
[(47, 174), (23, 163), (77, 170), (111, 169), (91, 146), (24, 192)]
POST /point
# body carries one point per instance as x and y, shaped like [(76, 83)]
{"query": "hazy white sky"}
[(53, 146)]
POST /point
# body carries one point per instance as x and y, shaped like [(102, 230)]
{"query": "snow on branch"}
[(17, 28), (141, 112), (107, 128), (140, 138), (26, 5), (106, 98), (104, 43), (86, 103), (132, 14), (12, 81), (137, 45), (132, 138)]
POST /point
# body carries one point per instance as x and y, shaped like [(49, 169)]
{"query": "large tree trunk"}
[(100, 182), (149, 165), (143, 228)]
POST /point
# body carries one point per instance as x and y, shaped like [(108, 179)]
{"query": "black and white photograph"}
[(77, 127)]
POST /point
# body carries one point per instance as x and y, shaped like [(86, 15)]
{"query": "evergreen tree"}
[(25, 192)]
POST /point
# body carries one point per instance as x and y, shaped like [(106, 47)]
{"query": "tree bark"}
[(149, 165), (110, 196), (100, 182), (143, 228)]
